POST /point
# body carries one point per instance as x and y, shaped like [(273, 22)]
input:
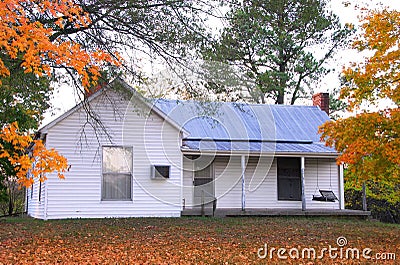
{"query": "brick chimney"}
[(93, 89), (322, 101)]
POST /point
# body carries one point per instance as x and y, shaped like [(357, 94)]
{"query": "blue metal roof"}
[(247, 127)]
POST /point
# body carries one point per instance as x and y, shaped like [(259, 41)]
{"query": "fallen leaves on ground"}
[(188, 240)]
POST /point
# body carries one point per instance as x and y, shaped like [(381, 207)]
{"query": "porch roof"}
[(257, 147)]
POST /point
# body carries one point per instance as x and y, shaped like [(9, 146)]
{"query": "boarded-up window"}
[(117, 173), (289, 179)]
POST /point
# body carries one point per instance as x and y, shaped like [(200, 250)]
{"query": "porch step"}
[(208, 211), (277, 212)]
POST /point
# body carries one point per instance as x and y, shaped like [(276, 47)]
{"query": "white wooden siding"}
[(328, 179), (153, 140), (228, 184), (188, 182), (262, 185), (36, 207), (227, 173)]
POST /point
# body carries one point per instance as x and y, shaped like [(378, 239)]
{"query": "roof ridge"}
[(229, 102), (288, 141)]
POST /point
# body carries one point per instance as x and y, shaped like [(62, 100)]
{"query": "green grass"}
[(184, 240)]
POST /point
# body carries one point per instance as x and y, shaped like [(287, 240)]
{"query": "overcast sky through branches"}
[(65, 97)]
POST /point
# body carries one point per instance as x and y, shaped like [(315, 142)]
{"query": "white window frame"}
[(128, 173)]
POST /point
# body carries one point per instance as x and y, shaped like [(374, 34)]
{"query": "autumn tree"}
[(25, 97), (369, 141), (16, 162), (273, 42), (29, 53), (29, 37)]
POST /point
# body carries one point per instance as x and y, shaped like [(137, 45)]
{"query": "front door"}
[(289, 179), (203, 183)]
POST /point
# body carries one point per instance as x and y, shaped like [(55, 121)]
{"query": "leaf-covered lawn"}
[(188, 240)]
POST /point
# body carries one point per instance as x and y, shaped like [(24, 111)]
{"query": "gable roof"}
[(111, 85), (243, 127)]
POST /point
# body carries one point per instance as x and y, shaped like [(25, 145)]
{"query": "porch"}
[(261, 184)]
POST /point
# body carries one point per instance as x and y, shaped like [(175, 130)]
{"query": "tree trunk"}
[(10, 205), (364, 197), (280, 97), (281, 57)]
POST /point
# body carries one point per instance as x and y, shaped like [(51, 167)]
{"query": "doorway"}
[(203, 182)]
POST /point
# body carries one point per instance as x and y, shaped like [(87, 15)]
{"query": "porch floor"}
[(231, 212)]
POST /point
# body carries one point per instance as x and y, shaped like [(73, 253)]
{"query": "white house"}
[(134, 157)]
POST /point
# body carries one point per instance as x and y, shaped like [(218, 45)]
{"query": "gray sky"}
[(65, 98)]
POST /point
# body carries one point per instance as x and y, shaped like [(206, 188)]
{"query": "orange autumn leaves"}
[(188, 240), (369, 141), (31, 34), (41, 161), (27, 31), (379, 75)]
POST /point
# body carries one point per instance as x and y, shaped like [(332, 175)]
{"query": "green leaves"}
[(271, 42), (24, 97)]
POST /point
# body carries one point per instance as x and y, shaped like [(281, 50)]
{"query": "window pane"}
[(203, 173), (116, 187), (117, 159), (202, 167)]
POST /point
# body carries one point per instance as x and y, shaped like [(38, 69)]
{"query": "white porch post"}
[(303, 196), (341, 187), (243, 164)]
